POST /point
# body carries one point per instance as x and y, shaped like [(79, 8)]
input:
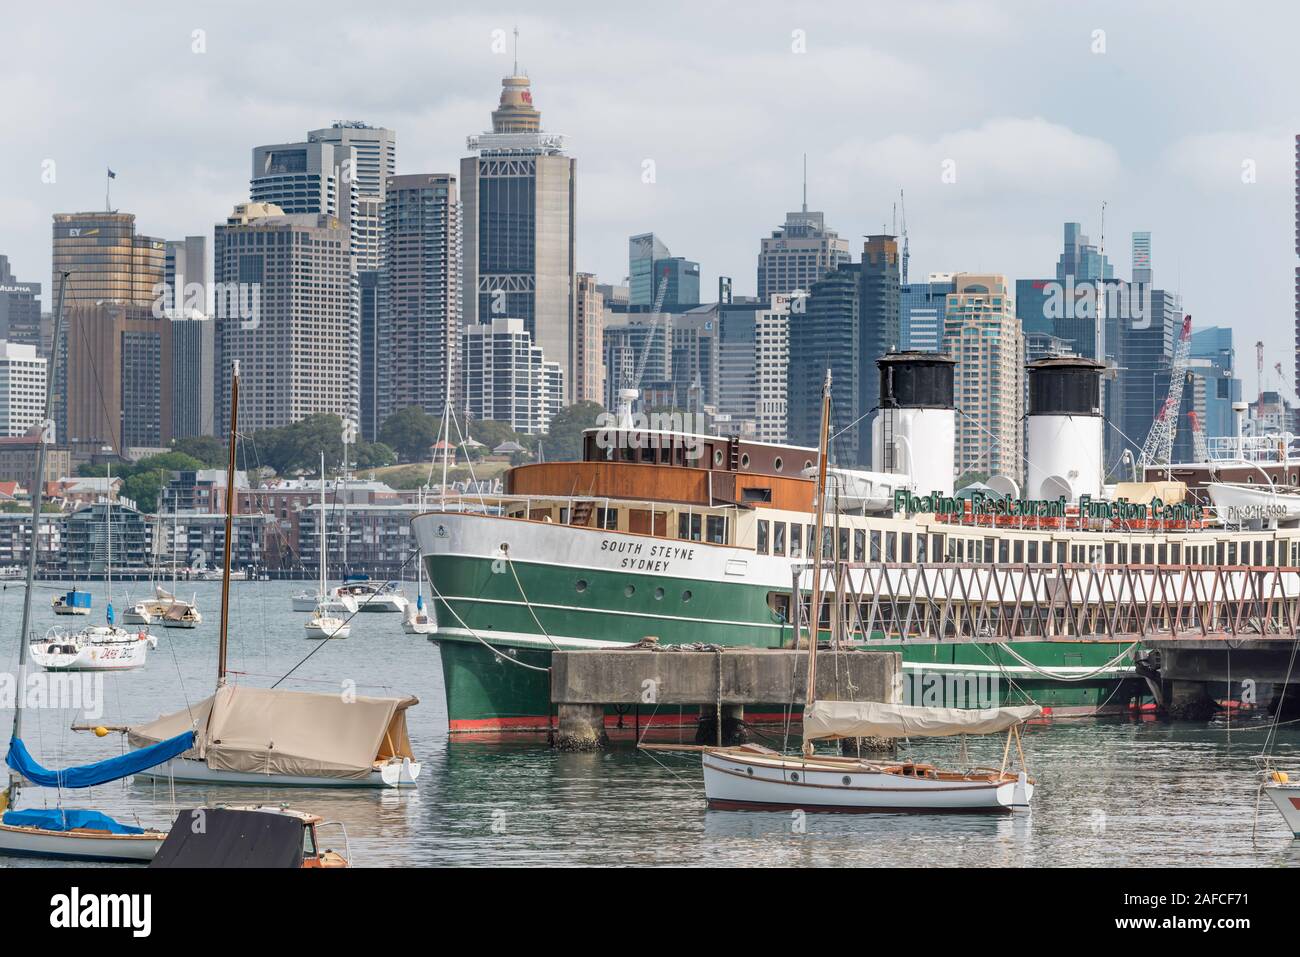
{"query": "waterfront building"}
[(799, 253), (109, 264), (508, 378), (192, 385), (649, 264), (588, 347), (418, 334), (982, 333), (300, 353), (22, 388), (754, 365), (20, 308), (921, 308), (1213, 362), (374, 152), (517, 195), (18, 456), (368, 326)]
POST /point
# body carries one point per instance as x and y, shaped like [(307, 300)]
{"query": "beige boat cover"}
[(1171, 493), (875, 719), (270, 731)]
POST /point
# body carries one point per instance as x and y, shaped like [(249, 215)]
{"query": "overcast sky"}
[(1039, 126)]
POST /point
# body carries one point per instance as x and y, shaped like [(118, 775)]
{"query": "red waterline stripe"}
[(543, 723)]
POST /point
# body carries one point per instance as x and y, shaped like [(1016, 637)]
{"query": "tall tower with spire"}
[(517, 192), (799, 253)]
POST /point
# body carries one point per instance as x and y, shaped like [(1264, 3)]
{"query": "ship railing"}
[(983, 601)]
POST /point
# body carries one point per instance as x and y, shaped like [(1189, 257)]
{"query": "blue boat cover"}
[(77, 599), (60, 820), (88, 775)]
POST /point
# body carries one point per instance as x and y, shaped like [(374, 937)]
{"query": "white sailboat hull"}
[(305, 602), (79, 845), (328, 628), (193, 771), (733, 782), (420, 625), (1286, 798), (91, 656), (67, 610)]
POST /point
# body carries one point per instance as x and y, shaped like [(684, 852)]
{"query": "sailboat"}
[(64, 832), (753, 777), (324, 623), (416, 619), (269, 736), (106, 647)]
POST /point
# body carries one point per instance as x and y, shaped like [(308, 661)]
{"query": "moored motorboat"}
[(71, 603)]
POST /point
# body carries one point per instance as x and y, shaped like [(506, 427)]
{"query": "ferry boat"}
[(690, 538)]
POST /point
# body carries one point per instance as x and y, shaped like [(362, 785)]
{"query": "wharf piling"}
[(720, 682)]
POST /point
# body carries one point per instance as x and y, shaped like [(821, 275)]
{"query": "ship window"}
[(1019, 555), (807, 464), (891, 546), (717, 456), (828, 546), (762, 537), (716, 529), (1110, 553), (936, 548), (659, 594), (1060, 553), (907, 547), (1218, 553), (844, 545), (744, 461), (688, 527), (581, 585), (920, 548), (859, 545), (1151, 554), (778, 538), (1232, 553), (1004, 551), (1268, 554), (777, 463), (629, 591), (607, 518), (1259, 553), (875, 546), (564, 516), (756, 494), (796, 546), (686, 595)]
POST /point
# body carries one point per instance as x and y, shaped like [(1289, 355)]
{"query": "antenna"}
[(805, 182), (516, 73), (902, 210)]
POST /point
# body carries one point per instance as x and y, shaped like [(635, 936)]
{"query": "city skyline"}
[(1027, 156)]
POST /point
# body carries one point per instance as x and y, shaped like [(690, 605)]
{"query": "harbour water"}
[(1111, 792)]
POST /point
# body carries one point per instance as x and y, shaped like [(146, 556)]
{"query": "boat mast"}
[(230, 511), (38, 489), (108, 537), (814, 615), (320, 591)]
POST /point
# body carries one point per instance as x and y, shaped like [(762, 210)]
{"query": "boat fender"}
[(1280, 777), (141, 636)]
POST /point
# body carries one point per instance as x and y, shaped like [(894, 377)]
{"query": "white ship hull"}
[(64, 655), (1286, 798)]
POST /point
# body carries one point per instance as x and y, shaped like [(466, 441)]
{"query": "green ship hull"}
[(499, 621)]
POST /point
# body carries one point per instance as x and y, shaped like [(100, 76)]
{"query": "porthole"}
[(846, 780), (717, 456), (581, 585), (505, 547), (794, 776), (749, 771), (629, 591), (807, 463), (659, 594), (744, 461), (686, 595), (777, 463)]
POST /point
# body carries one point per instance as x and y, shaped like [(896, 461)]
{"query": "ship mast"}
[(230, 511), (38, 489), (814, 614)]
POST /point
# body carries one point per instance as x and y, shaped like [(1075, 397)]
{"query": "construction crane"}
[(632, 384), (1158, 449), (1200, 450), (1259, 375)]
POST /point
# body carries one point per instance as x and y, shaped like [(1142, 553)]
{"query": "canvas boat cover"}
[(21, 761), (56, 819), (231, 838), (272, 731), (177, 612), (868, 719)]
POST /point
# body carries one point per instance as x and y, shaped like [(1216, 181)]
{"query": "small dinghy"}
[(254, 835)]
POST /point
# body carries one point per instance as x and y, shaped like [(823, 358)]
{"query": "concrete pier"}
[(722, 682), (1195, 672)]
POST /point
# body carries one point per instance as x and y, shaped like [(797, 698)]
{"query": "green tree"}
[(208, 449), (373, 455), (563, 441), (410, 432)]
